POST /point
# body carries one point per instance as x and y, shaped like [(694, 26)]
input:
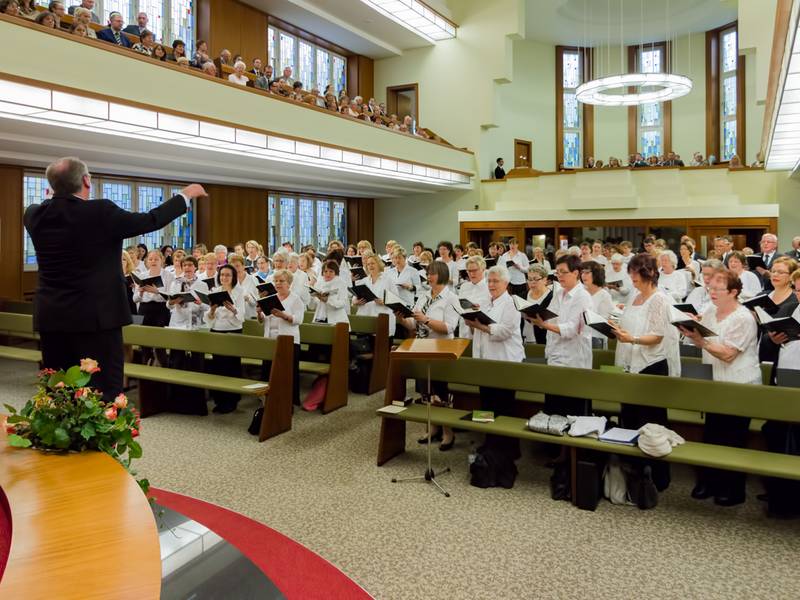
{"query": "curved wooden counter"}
[(81, 528)]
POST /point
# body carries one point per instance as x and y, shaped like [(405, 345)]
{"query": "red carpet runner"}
[(295, 570), (5, 532)]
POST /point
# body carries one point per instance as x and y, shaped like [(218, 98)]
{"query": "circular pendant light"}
[(652, 87)]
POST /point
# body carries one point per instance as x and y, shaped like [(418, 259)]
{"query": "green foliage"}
[(66, 415)]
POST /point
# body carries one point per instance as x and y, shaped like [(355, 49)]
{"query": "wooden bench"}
[(13, 326), (755, 401), (379, 328), (335, 336)]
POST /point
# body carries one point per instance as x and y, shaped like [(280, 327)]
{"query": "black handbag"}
[(641, 489), (255, 423)]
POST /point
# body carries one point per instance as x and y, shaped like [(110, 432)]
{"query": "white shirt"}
[(544, 262), (441, 308), (408, 276), (673, 284), (334, 310), (240, 79), (751, 285), (518, 274), (224, 319), (602, 304), (275, 326), (649, 318), (528, 335), (504, 341), (621, 295), (139, 296), (187, 315), (300, 286), (737, 330), (573, 346), (477, 293), (372, 309), (249, 288), (600, 260), (699, 298), (451, 266)]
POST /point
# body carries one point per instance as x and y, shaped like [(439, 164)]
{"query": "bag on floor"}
[(316, 395), (491, 468), (255, 424), (641, 489), (614, 486)]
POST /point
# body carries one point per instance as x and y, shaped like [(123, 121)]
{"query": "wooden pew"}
[(378, 327)]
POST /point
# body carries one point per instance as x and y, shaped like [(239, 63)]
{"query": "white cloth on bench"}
[(657, 440), (581, 426)]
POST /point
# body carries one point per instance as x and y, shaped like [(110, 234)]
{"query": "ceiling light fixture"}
[(633, 89), (417, 17)]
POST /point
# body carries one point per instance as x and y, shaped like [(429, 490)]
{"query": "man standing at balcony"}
[(88, 5), (499, 171), (81, 303), (140, 27), (287, 76), (113, 33)]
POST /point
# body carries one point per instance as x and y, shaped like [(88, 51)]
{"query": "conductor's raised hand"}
[(194, 190)]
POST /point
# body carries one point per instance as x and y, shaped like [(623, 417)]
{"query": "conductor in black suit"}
[(81, 303)]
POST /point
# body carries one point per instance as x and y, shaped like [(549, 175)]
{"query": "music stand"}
[(429, 350)]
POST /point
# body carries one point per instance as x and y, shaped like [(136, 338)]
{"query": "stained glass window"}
[(150, 197), (306, 222), (182, 23), (339, 73), (287, 51), (728, 139), (728, 93), (571, 112), (729, 51), (183, 228), (323, 70), (120, 194), (572, 70), (650, 123), (650, 115), (650, 142), (572, 149), (34, 190), (729, 96), (272, 224), (273, 57), (572, 122), (339, 222), (123, 7), (305, 65), (288, 225), (651, 61), (323, 223)]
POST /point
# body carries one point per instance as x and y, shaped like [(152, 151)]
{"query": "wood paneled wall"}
[(11, 232), (361, 222), (231, 214), (361, 77), (229, 24)]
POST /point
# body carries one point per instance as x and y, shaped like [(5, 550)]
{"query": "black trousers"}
[(632, 416), (784, 494), (62, 350), (499, 401), (229, 366), (182, 398), (154, 314), (725, 430), (266, 368)]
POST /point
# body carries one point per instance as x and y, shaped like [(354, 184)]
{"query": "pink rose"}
[(81, 393), (134, 433), (59, 385), (89, 365), (121, 401), (11, 429), (110, 413)]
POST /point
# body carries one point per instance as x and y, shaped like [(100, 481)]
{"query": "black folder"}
[(269, 302), (266, 289), (362, 292), (141, 282)]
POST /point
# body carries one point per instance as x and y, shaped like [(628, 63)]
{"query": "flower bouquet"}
[(66, 415)]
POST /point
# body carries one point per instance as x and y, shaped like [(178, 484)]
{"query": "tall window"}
[(167, 19), (572, 122), (303, 221), (34, 190), (729, 61), (650, 118), (314, 66)]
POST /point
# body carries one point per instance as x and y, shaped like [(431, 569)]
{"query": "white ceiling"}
[(350, 24), (37, 144), (585, 22)]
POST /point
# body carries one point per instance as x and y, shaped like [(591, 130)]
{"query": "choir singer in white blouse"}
[(475, 290), (733, 356)]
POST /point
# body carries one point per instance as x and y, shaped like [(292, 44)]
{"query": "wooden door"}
[(523, 157), (402, 100), (704, 236)]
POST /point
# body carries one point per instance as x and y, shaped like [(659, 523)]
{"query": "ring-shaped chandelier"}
[(667, 87)]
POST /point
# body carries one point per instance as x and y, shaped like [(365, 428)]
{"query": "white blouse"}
[(373, 309), (699, 298), (441, 308), (621, 295), (751, 285), (451, 266), (334, 309), (187, 315), (518, 274), (224, 319), (408, 276), (649, 318), (602, 304), (139, 296), (504, 341), (573, 346), (737, 330), (240, 79), (528, 335), (275, 326), (249, 289), (673, 284), (300, 286)]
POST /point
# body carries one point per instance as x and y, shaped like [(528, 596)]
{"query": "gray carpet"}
[(319, 485)]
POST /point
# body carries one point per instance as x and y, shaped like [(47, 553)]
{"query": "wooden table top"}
[(81, 528), (430, 349)]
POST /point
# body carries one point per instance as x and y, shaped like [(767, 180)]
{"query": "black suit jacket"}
[(765, 280), (78, 247), (134, 30)]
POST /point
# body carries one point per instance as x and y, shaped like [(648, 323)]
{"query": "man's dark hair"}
[(177, 43), (499, 159), (190, 259), (447, 245)]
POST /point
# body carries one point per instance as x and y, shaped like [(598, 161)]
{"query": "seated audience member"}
[(517, 264), (671, 281), (638, 161), (83, 17), (228, 318), (225, 59), (152, 306), (237, 58), (751, 283), (183, 62), (759, 161), (593, 277), (113, 33), (200, 57), (569, 341), (297, 90), (618, 281), (46, 19), (146, 44), (435, 317), (286, 77), (140, 27), (652, 161), (57, 8), (697, 160), (257, 67), (475, 290), (733, 356), (330, 103), (613, 163), (87, 5), (238, 75), (644, 346), (735, 162), (209, 68), (264, 80), (499, 171), (160, 53), (332, 299), (285, 322), (178, 51), (538, 293), (598, 164)]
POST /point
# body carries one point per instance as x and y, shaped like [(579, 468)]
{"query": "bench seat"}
[(207, 381), (15, 353), (757, 462), (305, 366)]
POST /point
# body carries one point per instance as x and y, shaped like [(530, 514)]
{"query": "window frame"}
[(274, 228), (278, 63), (634, 112), (585, 111), (169, 234), (714, 97)]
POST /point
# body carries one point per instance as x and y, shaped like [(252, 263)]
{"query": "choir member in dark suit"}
[(81, 305)]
